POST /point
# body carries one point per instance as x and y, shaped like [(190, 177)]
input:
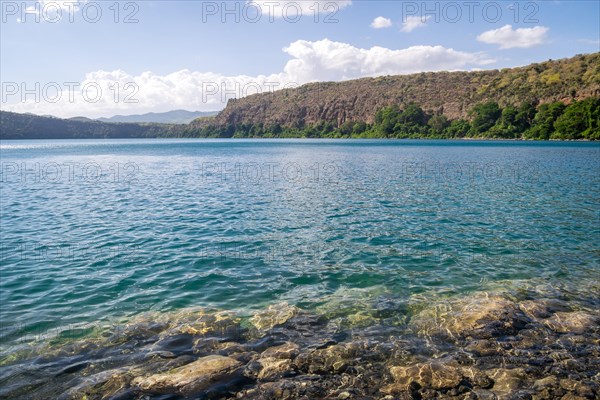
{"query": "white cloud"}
[(413, 22), (326, 60), (381, 22), (509, 38), (291, 9), (322, 60)]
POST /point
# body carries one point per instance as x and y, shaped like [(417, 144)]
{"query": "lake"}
[(96, 233)]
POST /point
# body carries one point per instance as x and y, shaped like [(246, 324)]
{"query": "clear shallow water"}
[(100, 230)]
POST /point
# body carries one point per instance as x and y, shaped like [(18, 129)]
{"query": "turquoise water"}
[(93, 231)]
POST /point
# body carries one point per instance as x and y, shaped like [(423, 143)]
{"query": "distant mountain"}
[(81, 119), (171, 117)]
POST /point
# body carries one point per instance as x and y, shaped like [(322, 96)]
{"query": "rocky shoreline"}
[(540, 345)]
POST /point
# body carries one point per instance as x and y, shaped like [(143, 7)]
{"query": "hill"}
[(550, 100), (29, 126), (170, 117), (452, 94)]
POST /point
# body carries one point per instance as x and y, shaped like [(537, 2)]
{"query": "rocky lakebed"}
[(537, 343)]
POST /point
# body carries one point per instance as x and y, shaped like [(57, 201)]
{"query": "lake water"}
[(99, 231)]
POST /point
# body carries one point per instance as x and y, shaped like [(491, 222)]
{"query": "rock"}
[(477, 377), (177, 344), (137, 331), (568, 384), (436, 375), (190, 378), (570, 396), (572, 322), (272, 368), (274, 315), (287, 351), (483, 347), (106, 382), (276, 390), (482, 394), (480, 316), (360, 320), (548, 382), (543, 308), (221, 324), (578, 387), (228, 349), (331, 359), (507, 381)]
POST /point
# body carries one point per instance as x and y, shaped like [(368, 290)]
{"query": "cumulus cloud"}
[(294, 9), (413, 22), (323, 60), (381, 22), (509, 38)]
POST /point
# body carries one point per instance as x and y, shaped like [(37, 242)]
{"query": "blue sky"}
[(191, 54)]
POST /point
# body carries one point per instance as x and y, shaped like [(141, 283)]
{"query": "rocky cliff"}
[(450, 93)]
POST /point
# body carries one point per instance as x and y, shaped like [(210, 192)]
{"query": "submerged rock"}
[(276, 362), (104, 383), (507, 381), (287, 350), (547, 382), (572, 322), (274, 315), (543, 308), (332, 359), (478, 347), (222, 324), (479, 316), (272, 368), (190, 378), (438, 375)]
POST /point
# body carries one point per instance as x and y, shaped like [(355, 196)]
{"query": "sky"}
[(102, 58)]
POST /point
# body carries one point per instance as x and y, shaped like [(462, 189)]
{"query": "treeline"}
[(576, 121), (29, 126)]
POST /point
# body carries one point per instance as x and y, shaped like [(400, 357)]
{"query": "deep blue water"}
[(96, 230)]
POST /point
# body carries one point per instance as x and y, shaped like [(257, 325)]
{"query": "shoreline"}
[(465, 139), (528, 340)]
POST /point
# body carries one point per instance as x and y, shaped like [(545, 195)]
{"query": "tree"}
[(572, 123), (525, 116), (386, 119), (346, 128), (359, 128), (458, 128), (507, 125), (543, 123), (413, 115), (485, 115), (438, 124), (579, 120)]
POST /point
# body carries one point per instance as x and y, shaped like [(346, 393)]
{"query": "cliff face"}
[(450, 93)]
